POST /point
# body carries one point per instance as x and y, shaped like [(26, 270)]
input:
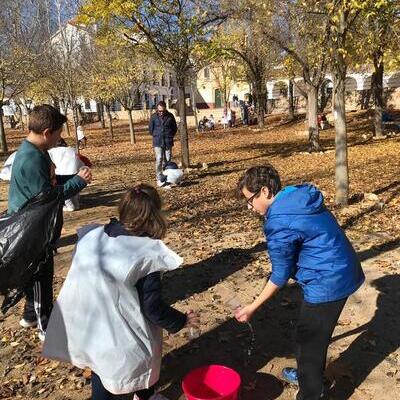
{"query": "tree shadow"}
[(379, 249), (105, 198), (375, 207), (380, 338), (195, 278)]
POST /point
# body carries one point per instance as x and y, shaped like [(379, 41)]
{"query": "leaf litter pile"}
[(224, 252)]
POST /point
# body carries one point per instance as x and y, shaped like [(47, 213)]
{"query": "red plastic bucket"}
[(211, 382)]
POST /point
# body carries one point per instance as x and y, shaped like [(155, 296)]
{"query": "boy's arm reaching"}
[(283, 252)]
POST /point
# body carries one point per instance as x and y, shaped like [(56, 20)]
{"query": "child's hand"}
[(244, 314), (192, 319), (85, 174)]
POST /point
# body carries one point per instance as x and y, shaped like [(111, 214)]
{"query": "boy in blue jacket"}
[(304, 243)]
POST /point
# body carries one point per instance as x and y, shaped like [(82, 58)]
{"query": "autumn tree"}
[(240, 39), (226, 72), (118, 71), (170, 31), (20, 47), (380, 43), (303, 36)]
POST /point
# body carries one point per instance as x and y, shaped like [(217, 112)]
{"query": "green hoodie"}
[(31, 175)]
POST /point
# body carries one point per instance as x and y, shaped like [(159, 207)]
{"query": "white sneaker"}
[(69, 205), (27, 324), (164, 185), (41, 336)]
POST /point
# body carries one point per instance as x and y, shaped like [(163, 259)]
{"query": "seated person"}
[(203, 124), (210, 124), (173, 174), (390, 119)]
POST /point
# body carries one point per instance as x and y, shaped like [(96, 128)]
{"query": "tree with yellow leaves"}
[(380, 44), (19, 49), (172, 32)]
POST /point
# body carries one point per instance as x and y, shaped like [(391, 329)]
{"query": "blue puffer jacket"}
[(163, 130), (306, 243)]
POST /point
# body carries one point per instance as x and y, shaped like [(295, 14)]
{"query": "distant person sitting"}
[(210, 124), (173, 173), (389, 118), (203, 124)]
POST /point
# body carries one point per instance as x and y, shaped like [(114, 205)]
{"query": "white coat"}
[(66, 160), (96, 321), (5, 172)]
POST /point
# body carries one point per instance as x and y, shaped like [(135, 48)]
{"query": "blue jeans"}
[(163, 155), (99, 392)]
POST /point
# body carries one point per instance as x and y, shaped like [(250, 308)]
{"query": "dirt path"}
[(223, 248)]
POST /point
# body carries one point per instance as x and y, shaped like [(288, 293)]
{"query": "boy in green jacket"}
[(31, 175)]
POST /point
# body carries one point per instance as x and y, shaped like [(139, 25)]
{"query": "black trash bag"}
[(25, 244)]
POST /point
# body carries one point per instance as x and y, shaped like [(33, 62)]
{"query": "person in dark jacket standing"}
[(31, 175), (305, 243), (163, 128)]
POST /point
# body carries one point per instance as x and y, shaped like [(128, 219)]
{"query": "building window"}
[(87, 105), (163, 81), (206, 73)]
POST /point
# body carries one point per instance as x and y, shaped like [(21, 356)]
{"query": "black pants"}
[(39, 297), (100, 393), (314, 331)]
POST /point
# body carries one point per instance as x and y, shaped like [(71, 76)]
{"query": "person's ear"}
[(47, 133), (266, 192)]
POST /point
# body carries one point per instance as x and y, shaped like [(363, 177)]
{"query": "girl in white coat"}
[(109, 313)]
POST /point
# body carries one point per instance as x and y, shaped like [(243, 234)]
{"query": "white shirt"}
[(66, 160), (174, 176), (5, 172)]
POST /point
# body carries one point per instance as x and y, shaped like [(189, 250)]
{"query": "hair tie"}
[(137, 189)]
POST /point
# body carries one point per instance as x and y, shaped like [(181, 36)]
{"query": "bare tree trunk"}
[(101, 115), (378, 93), (291, 100), (260, 99), (183, 122), (110, 125), (3, 140), (194, 107), (342, 168), (131, 127), (312, 113)]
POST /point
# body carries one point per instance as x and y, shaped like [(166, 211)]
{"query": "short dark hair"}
[(260, 176), (140, 210), (44, 117), (162, 104)]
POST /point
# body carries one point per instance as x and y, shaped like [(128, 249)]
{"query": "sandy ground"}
[(224, 252)]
